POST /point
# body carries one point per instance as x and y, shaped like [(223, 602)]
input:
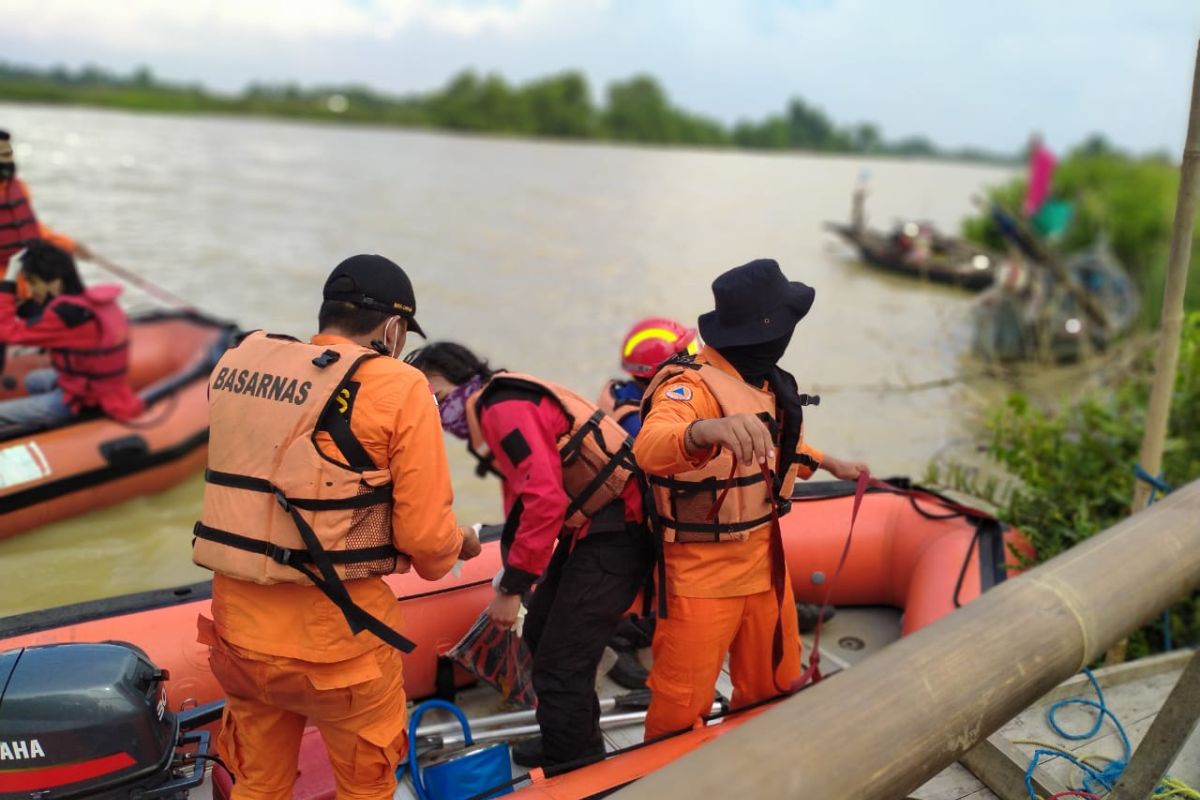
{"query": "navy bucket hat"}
[(755, 303)]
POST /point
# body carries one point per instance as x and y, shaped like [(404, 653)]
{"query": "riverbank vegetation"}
[(1071, 470), (558, 106), (1125, 200)]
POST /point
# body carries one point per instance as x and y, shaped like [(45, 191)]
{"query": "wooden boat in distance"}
[(918, 250)]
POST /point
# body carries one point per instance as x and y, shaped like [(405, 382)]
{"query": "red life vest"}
[(18, 225), (93, 374)]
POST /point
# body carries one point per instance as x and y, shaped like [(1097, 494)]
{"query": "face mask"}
[(453, 409), (754, 361)]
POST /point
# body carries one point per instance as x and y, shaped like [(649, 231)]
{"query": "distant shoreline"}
[(557, 108), (502, 136)]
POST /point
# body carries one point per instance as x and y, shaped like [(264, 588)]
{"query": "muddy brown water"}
[(538, 254)]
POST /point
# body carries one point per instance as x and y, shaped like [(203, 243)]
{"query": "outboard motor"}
[(91, 721)]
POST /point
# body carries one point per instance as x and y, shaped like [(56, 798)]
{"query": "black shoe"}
[(629, 671), (806, 616), (528, 753)]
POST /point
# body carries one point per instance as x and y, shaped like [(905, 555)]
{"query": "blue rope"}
[(1094, 780), (1157, 485)]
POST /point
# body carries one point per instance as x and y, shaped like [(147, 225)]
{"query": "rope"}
[(1157, 486), (149, 287), (1096, 780)]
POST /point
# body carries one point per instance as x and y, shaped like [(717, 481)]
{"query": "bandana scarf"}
[(453, 410)]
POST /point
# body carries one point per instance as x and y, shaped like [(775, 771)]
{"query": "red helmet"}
[(652, 341)]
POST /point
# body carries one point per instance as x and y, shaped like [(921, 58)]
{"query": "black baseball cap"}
[(376, 283)]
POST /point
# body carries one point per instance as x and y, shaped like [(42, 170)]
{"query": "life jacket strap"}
[(377, 496), (335, 423), (18, 223), (711, 483), (289, 556), (590, 427), (327, 580), (485, 462), (325, 577), (622, 458), (62, 360)]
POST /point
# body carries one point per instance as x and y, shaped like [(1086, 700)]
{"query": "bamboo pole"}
[(883, 728), (1158, 413)]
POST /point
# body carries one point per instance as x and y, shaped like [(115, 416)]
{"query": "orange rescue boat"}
[(919, 552), (94, 461)]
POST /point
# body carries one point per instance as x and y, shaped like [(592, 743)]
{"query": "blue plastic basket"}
[(465, 774)]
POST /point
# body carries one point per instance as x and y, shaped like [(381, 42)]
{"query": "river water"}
[(538, 254)]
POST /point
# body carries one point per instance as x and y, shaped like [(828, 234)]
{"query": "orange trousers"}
[(690, 646), (358, 705)]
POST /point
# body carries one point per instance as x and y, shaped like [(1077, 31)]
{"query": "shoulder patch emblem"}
[(683, 393)]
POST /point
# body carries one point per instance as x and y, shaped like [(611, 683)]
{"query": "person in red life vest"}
[(729, 412), (649, 343), (326, 470), (86, 333), (574, 517), (19, 226)]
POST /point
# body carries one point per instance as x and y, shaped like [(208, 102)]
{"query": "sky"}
[(962, 72)]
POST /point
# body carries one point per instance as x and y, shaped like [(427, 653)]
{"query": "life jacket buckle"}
[(326, 358), (810, 399), (280, 555), (782, 505), (283, 501)]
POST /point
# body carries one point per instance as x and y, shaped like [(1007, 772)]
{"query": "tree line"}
[(557, 106)]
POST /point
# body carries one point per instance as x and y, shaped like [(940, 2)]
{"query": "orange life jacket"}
[(684, 502), (617, 409), (18, 225), (276, 508), (597, 454)]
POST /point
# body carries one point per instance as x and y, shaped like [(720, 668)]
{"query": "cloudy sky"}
[(981, 72)]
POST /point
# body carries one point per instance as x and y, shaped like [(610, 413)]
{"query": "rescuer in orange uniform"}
[(299, 528), (728, 412)]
